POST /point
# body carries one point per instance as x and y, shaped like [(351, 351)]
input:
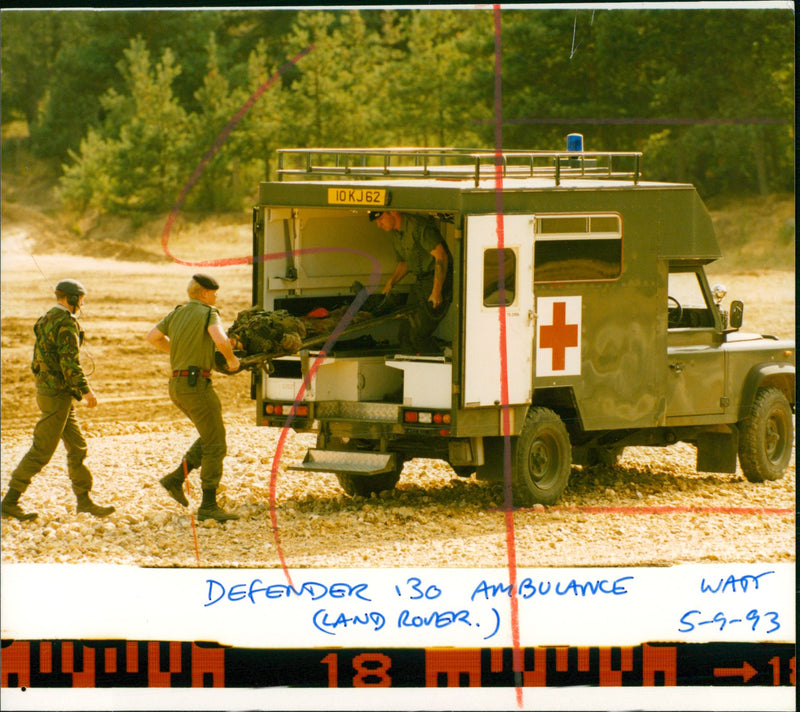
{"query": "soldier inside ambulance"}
[(59, 381), (421, 250)]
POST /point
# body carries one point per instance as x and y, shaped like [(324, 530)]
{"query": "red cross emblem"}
[(558, 336)]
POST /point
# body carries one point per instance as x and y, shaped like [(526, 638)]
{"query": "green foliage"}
[(134, 165), (708, 95), (29, 44), (449, 108), (86, 181), (216, 189), (72, 105), (735, 71), (262, 124), (338, 98)]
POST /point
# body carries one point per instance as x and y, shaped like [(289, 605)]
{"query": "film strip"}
[(33, 664)]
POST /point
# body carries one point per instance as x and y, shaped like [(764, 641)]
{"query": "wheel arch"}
[(778, 375)]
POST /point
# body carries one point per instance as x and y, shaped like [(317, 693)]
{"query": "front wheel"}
[(765, 439), (542, 459)]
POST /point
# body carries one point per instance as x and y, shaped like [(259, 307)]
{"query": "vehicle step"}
[(345, 462)]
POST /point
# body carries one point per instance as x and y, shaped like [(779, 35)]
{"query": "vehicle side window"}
[(686, 304), (573, 248), (499, 270)]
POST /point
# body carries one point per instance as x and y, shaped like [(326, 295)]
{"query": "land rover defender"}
[(582, 321)]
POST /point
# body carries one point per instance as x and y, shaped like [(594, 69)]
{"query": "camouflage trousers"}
[(58, 423), (415, 331), (201, 405)]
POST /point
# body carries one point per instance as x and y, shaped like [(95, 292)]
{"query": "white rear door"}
[(499, 312)]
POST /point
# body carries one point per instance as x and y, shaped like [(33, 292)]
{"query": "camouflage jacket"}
[(56, 360)]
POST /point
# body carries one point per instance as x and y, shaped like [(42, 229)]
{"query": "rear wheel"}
[(542, 459), (463, 470), (765, 438), (607, 455), (365, 485)]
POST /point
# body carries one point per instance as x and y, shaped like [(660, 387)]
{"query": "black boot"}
[(86, 505), (209, 509), (173, 483), (10, 508)]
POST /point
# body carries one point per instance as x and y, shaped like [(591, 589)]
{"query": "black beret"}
[(72, 287), (205, 281), (375, 214)]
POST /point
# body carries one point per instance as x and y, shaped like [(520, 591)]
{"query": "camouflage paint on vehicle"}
[(601, 353)]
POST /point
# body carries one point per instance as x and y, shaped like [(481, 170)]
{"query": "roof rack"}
[(456, 163)]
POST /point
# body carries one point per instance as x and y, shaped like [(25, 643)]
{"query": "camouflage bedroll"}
[(261, 335), (263, 332)]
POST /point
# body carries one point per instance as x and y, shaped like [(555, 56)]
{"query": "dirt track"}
[(665, 512)]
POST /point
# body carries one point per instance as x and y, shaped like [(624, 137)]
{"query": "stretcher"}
[(254, 362)]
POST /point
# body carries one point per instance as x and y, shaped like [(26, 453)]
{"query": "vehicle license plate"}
[(356, 196)]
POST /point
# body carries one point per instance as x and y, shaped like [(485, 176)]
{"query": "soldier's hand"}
[(91, 399), (233, 364), (387, 304)]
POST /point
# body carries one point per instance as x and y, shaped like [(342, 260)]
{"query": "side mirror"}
[(737, 313)]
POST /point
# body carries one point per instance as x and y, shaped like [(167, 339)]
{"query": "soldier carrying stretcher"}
[(189, 334)]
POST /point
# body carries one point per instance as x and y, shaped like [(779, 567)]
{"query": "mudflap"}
[(716, 452)]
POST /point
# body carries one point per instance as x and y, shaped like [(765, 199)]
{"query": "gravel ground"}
[(652, 508)]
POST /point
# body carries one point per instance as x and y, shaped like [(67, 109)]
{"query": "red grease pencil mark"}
[(194, 527), (198, 171), (342, 324), (218, 143), (667, 509), (511, 550)]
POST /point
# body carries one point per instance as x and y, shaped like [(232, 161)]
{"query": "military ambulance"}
[(582, 321)]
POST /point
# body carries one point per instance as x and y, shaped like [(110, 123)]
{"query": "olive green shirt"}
[(414, 242), (190, 344)]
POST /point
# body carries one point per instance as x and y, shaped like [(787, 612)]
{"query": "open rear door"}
[(499, 284)]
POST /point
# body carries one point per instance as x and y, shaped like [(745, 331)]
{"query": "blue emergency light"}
[(575, 142)]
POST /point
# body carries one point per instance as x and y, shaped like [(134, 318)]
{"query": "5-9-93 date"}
[(765, 622)]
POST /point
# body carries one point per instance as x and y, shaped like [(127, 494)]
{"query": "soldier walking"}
[(59, 381), (189, 334)]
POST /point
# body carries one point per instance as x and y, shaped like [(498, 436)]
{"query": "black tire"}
[(542, 459), (766, 436), (463, 470), (364, 485), (608, 456)]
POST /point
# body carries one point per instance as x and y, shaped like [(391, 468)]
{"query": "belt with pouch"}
[(204, 374)]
